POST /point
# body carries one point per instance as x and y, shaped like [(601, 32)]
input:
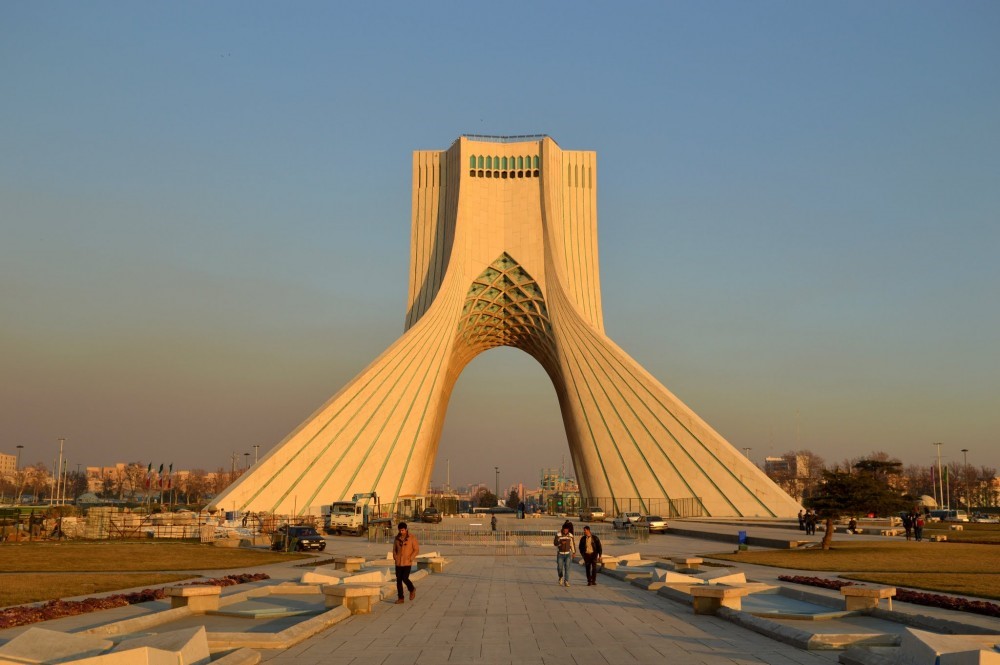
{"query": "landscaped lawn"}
[(24, 588), (45, 570), (982, 585), (949, 567), (114, 556)]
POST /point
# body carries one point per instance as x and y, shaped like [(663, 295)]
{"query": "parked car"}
[(431, 515), (625, 520), (592, 514), (654, 523), (300, 538)]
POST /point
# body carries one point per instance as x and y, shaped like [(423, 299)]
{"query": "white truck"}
[(354, 516)]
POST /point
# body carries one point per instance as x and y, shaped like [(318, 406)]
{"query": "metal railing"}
[(667, 508)]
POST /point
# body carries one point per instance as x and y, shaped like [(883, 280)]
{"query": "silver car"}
[(625, 520), (654, 523)]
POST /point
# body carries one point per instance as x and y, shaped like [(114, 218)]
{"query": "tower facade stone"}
[(504, 253)]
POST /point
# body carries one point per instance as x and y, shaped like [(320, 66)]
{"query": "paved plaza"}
[(510, 609), (489, 606)]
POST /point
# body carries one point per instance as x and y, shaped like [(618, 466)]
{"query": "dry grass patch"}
[(880, 557), (983, 585), (22, 588), (116, 556), (971, 531)]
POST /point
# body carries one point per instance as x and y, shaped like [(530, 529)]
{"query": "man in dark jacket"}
[(590, 548)]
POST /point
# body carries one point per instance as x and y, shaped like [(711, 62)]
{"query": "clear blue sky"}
[(204, 216)]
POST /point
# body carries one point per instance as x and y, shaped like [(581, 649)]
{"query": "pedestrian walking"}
[(918, 528), (565, 548), (802, 521), (404, 552), (810, 523), (908, 524), (493, 523), (569, 527), (590, 549)]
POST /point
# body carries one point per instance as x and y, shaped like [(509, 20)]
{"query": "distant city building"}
[(8, 465)]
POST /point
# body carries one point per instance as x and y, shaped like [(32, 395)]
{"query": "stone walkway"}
[(487, 609)]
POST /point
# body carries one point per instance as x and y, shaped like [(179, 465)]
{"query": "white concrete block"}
[(40, 645), (190, 644)]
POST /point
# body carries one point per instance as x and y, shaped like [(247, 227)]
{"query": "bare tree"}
[(39, 479), (194, 485)]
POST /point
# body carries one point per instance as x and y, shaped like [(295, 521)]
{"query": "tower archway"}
[(507, 262)]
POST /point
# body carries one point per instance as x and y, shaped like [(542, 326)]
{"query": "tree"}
[(39, 480), (76, 483), (513, 499), (841, 492), (194, 485), (132, 479), (483, 498)]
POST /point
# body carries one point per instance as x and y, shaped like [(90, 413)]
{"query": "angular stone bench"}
[(351, 564), (358, 598), (435, 564), (865, 598), (687, 563), (956, 527), (608, 563), (937, 539), (197, 598), (890, 532), (708, 599)]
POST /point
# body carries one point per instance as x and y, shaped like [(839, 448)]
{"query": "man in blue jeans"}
[(565, 547)]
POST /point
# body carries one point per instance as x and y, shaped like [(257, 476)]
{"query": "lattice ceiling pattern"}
[(505, 307)]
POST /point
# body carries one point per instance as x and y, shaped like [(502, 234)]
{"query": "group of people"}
[(913, 525), (589, 548), (807, 522), (405, 549)]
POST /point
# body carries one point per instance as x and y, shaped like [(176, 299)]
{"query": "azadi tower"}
[(504, 253)]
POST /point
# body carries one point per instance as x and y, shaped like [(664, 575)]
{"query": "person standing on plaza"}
[(908, 524), (918, 527), (404, 552), (810, 523), (590, 548), (568, 525), (802, 521), (565, 548)]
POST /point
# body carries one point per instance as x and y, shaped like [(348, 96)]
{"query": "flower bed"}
[(55, 609), (908, 596)]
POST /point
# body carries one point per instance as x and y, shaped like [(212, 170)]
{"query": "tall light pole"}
[(940, 477), (965, 475), (246, 461), (746, 452), (62, 442), (497, 469), (256, 449), (19, 447)]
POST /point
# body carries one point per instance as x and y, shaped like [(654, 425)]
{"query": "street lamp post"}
[(497, 469), (965, 475), (246, 461), (746, 452), (940, 477), (256, 449), (19, 447)]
